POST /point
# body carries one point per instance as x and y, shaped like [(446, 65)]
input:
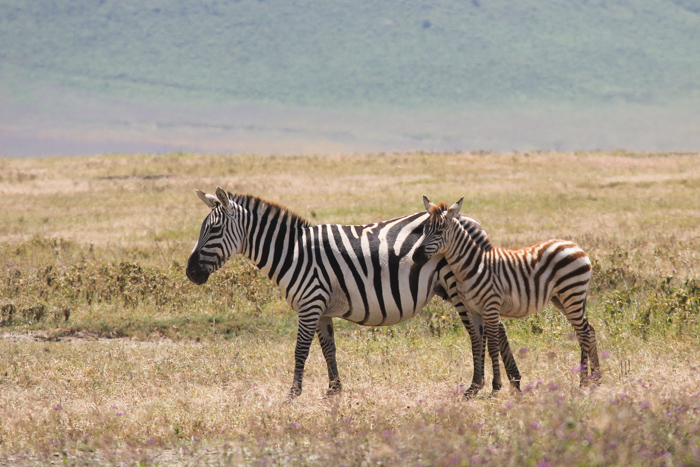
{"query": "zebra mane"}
[(255, 204), (476, 232), (471, 226), (438, 208)]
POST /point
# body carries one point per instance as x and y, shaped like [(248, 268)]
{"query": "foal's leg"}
[(574, 308), (507, 356), (479, 353), (492, 321)]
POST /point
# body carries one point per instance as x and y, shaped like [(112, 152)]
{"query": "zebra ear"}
[(454, 209), (209, 200), (223, 199), (427, 203)]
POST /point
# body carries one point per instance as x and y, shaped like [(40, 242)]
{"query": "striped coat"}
[(369, 274), (498, 282)]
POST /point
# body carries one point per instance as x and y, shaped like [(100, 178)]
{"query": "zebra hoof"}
[(294, 393), (590, 381), (334, 390), (471, 392), (596, 378)]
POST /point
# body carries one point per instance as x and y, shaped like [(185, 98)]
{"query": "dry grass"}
[(199, 375), (224, 402)]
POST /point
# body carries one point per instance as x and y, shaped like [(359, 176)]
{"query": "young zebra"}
[(368, 274), (498, 282)]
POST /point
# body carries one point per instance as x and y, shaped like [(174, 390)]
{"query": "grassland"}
[(109, 355)]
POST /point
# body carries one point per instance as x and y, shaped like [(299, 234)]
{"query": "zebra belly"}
[(376, 313), (369, 305), (520, 312), (511, 304)]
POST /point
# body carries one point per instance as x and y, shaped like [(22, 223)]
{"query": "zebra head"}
[(221, 236), (436, 227)]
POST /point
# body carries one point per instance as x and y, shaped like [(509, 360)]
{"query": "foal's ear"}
[(427, 203), (209, 200), (454, 209), (223, 199)]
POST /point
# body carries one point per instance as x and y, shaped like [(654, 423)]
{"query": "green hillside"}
[(413, 53), (350, 55)]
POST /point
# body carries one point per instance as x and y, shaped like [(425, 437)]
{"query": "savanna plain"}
[(109, 355)]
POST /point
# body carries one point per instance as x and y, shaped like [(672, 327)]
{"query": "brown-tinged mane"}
[(438, 208), (471, 226), (256, 204)]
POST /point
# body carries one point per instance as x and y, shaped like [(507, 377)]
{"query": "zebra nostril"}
[(197, 276), (194, 272)]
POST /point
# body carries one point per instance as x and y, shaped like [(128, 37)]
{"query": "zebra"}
[(367, 274), (498, 282)]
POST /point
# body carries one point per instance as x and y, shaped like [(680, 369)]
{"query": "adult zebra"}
[(368, 274), (498, 282)]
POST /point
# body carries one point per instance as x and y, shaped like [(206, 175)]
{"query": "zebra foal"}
[(499, 282), (368, 274)]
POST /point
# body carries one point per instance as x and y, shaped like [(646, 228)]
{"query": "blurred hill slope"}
[(422, 58)]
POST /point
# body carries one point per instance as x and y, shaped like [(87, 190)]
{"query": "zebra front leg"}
[(507, 356), (308, 321), (476, 334), (492, 320), (474, 326), (324, 329)]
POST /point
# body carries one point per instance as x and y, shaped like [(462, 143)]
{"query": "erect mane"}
[(476, 232), (256, 204), (438, 208)]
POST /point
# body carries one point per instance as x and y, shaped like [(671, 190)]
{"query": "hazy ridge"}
[(346, 75)]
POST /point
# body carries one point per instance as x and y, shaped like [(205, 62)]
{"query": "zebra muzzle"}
[(194, 272)]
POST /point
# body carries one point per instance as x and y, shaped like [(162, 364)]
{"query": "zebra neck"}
[(272, 234), (464, 255)]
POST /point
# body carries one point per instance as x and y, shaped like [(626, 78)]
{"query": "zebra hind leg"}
[(326, 338), (592, 347), (574, 308)]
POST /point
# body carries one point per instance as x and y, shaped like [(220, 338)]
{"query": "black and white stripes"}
[(369, 274), (497, 282)]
